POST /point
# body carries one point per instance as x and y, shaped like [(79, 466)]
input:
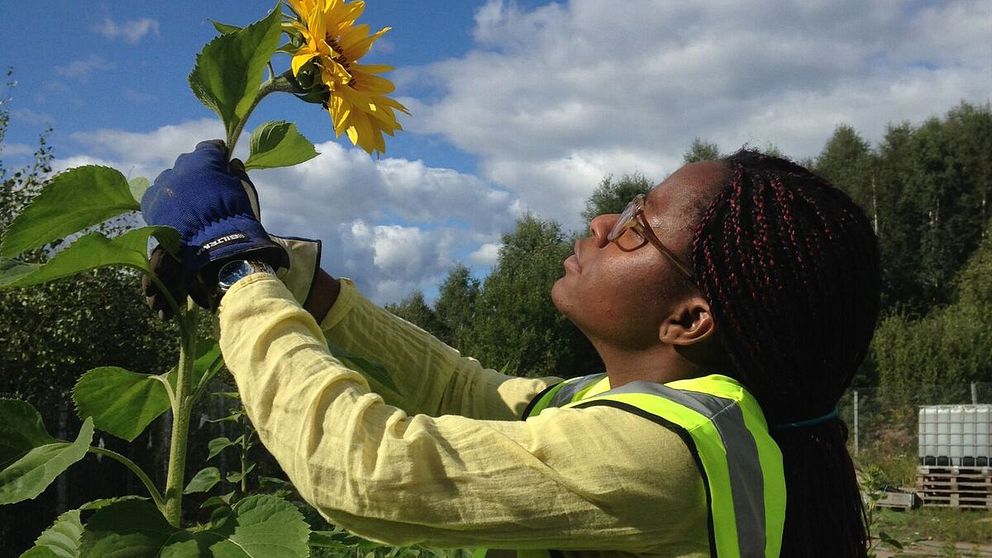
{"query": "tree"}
[(415, 310), (611, 196), (701, 150), (848, 163), (455, 305), (516, 326), (932, 359)]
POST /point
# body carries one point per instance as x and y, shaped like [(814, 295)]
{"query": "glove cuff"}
[(239, 235), (304, 264)]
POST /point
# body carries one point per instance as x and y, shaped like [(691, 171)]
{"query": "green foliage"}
[(848, 163), (121, 402), (455, 306), (517, 325), (612, 196), (89, 252), (61, 540), (31, 458), (919, 358), (203, 481), (415, 310), (229, 70), (278, 144), (94, 195), (701, 150)]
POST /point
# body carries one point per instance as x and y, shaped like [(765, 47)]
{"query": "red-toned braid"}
[(789, 265)]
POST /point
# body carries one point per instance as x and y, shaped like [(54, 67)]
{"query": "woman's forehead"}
[(688, 188)]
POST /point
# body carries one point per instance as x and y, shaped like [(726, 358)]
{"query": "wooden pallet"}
[(955, 487)]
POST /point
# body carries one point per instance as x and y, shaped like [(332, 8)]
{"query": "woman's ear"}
[(690, 322)]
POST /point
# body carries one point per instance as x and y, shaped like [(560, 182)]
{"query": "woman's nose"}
[(601, 226)]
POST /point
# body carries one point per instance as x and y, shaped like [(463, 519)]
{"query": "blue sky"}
[(517, 106)]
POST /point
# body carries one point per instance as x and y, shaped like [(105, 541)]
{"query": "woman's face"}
[(622, 298)]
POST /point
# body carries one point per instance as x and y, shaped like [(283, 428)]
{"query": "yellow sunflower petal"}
[(301, 57), (356, 46)]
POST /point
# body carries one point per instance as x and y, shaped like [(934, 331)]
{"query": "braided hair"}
[(790, 267)]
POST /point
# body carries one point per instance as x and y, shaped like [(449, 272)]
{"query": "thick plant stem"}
[(175, 478)]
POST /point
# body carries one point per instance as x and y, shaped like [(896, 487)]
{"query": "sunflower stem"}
[(277, 83)]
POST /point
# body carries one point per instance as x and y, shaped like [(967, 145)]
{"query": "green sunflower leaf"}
[(21, 430), (278, 144), (264, 525), (135, 528), (229, 69), (138, 185), (224, 28), (121, 402), (73, 200), (88, 252), (29, 475), (203, 481), (61, 540)]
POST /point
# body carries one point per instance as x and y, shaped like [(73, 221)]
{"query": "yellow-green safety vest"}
[(727, 435)]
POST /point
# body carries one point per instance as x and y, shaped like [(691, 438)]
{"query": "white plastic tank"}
[(955, 435)]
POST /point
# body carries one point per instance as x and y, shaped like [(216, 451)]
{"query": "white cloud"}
[(131, 31), (82, 68), (487, 254), (554, 98), (393, 225)]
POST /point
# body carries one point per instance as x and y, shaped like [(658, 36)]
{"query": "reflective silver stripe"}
[(567, 392), (746, 478)]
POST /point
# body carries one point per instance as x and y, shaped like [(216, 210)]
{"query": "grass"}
[(937, 524)]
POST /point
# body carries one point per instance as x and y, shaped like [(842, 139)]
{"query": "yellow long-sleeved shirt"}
[(448, 462)]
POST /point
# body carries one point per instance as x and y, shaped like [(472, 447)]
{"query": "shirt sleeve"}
[(571, 479), (431, 377)]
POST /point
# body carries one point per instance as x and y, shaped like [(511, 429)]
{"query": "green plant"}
[(228, 78)]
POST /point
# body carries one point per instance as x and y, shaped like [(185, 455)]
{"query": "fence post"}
[(855, 422), (974, 393)]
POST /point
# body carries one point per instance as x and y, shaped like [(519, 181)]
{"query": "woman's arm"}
[(431, 377), (591, 479)]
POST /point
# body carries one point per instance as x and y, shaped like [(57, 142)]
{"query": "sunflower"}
[(354, 94)]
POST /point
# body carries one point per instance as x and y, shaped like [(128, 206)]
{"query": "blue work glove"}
[(214, 206), (304, 257)]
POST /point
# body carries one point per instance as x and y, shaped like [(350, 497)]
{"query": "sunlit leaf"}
[(265, 526), (61, 540), (203, 481), (138, 185), (229, 69), (278, 144), (88, 252), (28, 477), (218, 445), (73, 200), (224, 27), (121, 402)]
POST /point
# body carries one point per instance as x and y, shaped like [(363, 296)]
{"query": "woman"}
[(731, 307)]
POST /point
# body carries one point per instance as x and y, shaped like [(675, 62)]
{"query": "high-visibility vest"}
[(727, 436)]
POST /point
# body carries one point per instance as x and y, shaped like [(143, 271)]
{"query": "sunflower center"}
[(332, 42)]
